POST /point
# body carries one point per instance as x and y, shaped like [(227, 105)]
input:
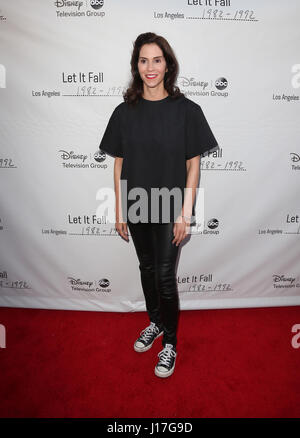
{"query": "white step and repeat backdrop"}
[(63, 67)]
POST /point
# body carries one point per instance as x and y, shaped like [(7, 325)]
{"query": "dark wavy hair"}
[(135, 88)]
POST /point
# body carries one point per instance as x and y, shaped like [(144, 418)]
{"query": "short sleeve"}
[(111, 141), (198, 135)]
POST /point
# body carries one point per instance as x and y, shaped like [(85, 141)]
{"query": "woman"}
[(156, 136)]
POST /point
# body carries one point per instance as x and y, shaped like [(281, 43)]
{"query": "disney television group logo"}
[(95, 4), (220, 83)]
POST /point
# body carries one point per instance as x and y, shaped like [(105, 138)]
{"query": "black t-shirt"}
[(155, 138)]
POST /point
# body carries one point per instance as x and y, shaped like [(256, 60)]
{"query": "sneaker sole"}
[(167, 373), (142, 349)]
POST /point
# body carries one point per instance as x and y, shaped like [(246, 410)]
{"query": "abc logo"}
[(99, 156), (97, 4), (221, 83), (104, 282), (213, 223)]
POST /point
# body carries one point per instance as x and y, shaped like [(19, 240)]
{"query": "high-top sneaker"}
[(147, 337), (166, 363)]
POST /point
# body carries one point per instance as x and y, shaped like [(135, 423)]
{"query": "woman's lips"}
[(151, 76)]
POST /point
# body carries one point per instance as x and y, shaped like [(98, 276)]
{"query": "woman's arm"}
[(121, 226), (181, 226), (117, 176), (192, 168)]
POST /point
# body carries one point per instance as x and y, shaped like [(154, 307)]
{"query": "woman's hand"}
[(121, 227), (181, 230)]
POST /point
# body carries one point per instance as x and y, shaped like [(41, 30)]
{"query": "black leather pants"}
[(157, 259)]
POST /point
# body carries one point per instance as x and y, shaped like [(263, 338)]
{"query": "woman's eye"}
[(142, 61)]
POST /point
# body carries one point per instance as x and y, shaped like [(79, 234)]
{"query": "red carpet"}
[(230, 363)]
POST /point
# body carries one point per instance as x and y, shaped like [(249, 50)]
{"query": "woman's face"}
[(151, 65)]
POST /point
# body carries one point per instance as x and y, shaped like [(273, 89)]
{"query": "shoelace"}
[(148, 332), (166, 355)]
